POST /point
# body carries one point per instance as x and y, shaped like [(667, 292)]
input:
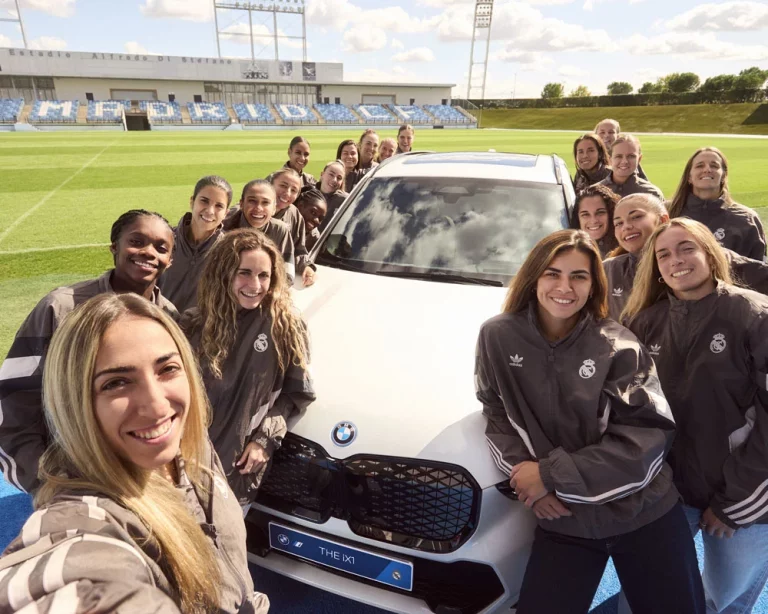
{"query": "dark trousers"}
[(656, 565)]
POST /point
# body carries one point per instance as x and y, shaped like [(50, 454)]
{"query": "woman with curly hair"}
[(253, 350), (592, 161)]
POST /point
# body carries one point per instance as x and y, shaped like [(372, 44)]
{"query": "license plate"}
[(383, 569)]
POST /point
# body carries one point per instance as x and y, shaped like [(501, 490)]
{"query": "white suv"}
[(384, 491)]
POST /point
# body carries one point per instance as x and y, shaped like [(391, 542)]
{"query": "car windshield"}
[(443, 228)]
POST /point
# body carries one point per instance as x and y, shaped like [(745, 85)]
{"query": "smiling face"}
[(593, 217), (313, 212), (624, 159), (405, 140), (209, 208), (332, 178), (287, 188), (387, 149), (563, 289), (368, 148), (298, 156), (258, 205), (607, 132), (633, 223), (140, 391), (143, 251), (587, 154), (349, 156), (251, 281), (683, 264), (707, 174)]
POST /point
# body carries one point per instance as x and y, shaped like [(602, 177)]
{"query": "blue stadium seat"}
[(374, 114), (10, 109), (162, 112), (447, 114), (106, 111), (296, 114), (336, 114), (208, 113), (253, 113), (410, 113), (54, 112)]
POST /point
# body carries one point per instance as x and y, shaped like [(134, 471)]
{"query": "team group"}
[(624, 385)]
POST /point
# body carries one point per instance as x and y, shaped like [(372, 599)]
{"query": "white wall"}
[(353, 94), (75, 89)]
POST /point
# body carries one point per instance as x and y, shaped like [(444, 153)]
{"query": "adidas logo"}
[(618, 291), (655, 350), (517, 361)]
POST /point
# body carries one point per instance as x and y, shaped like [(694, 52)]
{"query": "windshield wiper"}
[(445, 277)]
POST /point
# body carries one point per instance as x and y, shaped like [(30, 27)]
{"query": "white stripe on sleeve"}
[(30, 532), (65, 601), (498, 458), (18, 587), (24, 366), (758, 491)]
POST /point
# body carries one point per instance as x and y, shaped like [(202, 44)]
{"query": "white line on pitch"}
[(47, 197), (32, 250)]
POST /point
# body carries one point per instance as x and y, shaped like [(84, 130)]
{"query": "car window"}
[(475, 227)]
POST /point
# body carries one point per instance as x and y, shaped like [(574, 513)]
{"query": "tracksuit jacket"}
[(278, 231), (179, 282), (633, 185), (712, 357), (253, 400), (736, 227), (334, 201), (295, 221), (589, 410), (86, 554), (583, 179), (23, 431)]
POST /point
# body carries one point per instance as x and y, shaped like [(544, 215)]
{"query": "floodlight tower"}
[(273, 7), (481, 29), (17, 20)]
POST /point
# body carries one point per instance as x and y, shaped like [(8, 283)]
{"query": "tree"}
[(751, 78), (617, 88), (581, 92), (718, 83), (553, 90), (680, 82), (651, 88)]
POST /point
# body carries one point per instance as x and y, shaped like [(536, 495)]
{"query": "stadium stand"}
[(253, 113), (106, 111), (296, 114), (54, 112), (162, 112), (446, 114), (374, 114), (10, 109), (410, 113), (336, 114), (208, 113)]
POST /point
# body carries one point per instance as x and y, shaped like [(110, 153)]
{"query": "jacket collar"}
[(105, 285), (183, 240), (570, 338), (695, 202), (686, 306)]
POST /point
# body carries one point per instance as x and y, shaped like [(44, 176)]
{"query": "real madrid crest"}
[(261, 344), (587, 369), (719, 234), (717, 344)]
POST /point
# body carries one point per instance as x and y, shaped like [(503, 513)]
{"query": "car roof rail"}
[(556, 168)]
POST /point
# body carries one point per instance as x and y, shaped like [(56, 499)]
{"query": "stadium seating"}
[(208, 113), (106, 111), (374, 114), (253, 113), (447, 114), (336, 114), (10, 109), (161, 112), (296, 114), (410, 113), (54, 112)]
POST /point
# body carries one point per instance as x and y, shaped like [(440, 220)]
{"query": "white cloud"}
[(189, 10), (57, 8), (525, 60), (360, 39), (49, 43), (334, 14), (724, 16), (396, 44), (136, 48), (262, 35), (396, 74), (419, 54), (701, 45), (6, 42), (339, 14), (567, 70)]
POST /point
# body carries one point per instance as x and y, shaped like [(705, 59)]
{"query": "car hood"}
[(395, 357)]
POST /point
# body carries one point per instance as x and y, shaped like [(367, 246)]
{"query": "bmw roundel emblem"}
[(343, 434)]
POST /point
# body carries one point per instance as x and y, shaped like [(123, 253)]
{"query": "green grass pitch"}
[(62, 191)]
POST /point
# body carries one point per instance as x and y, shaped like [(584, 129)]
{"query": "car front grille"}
[(424, 505)]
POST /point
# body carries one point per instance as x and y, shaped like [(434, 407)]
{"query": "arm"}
[(23, 431), (288, 251), (637, 431), (743, 497), (752, 273), (757, 242)]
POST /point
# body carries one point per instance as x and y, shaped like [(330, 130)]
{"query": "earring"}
[(661, 280)]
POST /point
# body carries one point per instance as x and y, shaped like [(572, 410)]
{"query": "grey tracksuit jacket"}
[(633, 185), (583, 179), (589, 409), (278, 231), (295, 221), (736, 227), (254, 399), (179, 282), (86, 554), (712, 357), (23, 431), (334, 201)]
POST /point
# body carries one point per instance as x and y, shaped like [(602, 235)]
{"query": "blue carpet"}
[(290, 597)]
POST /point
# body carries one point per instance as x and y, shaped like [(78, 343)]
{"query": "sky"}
[(533, 42)]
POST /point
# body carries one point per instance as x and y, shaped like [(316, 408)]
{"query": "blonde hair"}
[(627, 138), (608, 121), (80, 458), (684, 188), (649, 202), (216, 316), (647, 289), (522, 289)]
